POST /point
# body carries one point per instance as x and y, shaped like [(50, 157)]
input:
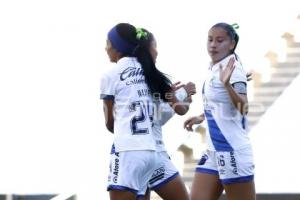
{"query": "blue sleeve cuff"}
[(107, 97)]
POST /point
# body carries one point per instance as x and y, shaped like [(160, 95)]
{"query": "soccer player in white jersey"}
[(228, 162), (127, 91), (166, 180)]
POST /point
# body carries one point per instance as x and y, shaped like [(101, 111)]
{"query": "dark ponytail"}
[(158, 83)]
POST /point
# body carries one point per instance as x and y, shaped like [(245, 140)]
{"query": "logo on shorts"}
[(233, 163), (203, 159), (110, 171), (158, 172), (221, 161), (116, 168), (157, 175)]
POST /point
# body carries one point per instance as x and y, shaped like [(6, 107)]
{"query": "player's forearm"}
[(239, 101), (110, 126), (108, 115), (180, 107)]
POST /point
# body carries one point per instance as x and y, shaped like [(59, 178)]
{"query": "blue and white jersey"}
[(133, 105), (227, 127)]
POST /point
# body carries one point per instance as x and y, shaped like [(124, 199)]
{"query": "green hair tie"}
[(140, 33), (235, 26)]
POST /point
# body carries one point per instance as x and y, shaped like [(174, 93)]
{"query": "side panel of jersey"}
[(227, 129)]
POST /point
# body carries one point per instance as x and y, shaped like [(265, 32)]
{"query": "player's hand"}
[(190, 88), (188, 124), (226, 73), (177, 86), (189, 99)]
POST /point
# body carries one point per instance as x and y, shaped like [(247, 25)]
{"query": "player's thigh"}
[(237, 191), (206, 187), (237, 174), (166, 181), (206, 183), (146, 196), (121, 195), (173, 190)]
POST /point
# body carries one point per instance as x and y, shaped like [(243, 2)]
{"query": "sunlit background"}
[(52, 133)]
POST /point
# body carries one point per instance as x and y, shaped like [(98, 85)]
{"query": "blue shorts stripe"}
[(206, 171), (237, 180), (165, 181), (119, 187), (139, 196)]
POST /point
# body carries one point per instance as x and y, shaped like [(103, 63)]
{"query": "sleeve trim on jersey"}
[(240, 89), (239, 82), (107, 97)]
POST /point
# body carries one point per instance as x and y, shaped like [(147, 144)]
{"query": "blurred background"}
[(54, 144)]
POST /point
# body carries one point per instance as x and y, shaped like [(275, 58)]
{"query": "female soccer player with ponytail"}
[(128, 91), (228, 162)]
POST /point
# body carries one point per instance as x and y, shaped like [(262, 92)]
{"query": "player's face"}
[(219, 44), (112, 53), (153, 50)]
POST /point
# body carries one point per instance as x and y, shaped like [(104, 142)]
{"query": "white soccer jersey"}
[(227, 127), (133, 105), (163, 113)]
